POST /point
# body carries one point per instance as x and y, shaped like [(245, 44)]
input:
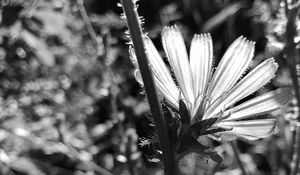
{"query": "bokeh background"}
[(69, 103)]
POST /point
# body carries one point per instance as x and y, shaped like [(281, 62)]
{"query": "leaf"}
[(41, 49), (54, 23), (221, 17), (26, 166), (200, 127), (215, 130), (184, 115)]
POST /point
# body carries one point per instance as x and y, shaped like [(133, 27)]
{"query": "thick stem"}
[(130, 10)]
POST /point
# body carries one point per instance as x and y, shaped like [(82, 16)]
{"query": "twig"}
[(237, 156), (221, 17), (292, 56), (273, 157), (130, 11), (295, 162), (88, 25)]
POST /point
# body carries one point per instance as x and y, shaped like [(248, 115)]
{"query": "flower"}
[(211, 94)]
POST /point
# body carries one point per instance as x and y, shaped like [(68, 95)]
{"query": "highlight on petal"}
[(171, 95), (168, 94), (262, 104), (161, 71), (133, 58), (138, 77), (174, 46), (201, 58), (249, 129), (137, 73), (158, 66), (231, 67), (253, 81), (162, 78)]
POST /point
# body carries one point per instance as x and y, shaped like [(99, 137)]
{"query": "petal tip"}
[(273, 63), (203, 36), (170, 30)]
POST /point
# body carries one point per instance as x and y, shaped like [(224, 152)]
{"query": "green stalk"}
[(296, 156), (293, 60), (134, 26)]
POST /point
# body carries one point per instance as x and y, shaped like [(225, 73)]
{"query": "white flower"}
[(209, 94)]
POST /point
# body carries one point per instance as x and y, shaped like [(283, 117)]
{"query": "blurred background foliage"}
[(69, 103)]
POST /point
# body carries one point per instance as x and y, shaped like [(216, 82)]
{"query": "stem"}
[(129, 151), (273, 157), (130, 10), (88, 25), (237, 156), (295, 162), (292, 56)]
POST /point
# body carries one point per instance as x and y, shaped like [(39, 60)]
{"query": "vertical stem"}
[(295, 162), (130, 10), (273, 157), (237, 156), (88, 25), (129, 151), (292, 56)]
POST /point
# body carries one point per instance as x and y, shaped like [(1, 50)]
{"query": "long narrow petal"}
[(171, 95), (159, 67), (164, 83), (231, 67), (250, 129), (262, 104), (133, 58), (201, 57), (253, 81), (174, 46)]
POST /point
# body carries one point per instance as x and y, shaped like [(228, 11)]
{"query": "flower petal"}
[(171, 95), (138, 77), (231, 67), (263, 104), (250, 129), (133, 58), (253, 81), (174, 46), (162, 78), (161, 71), (158, 66), (201, 57)]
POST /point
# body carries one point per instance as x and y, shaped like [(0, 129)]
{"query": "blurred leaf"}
[(221, 17), (41, 49), (25, 166), (54, 23)]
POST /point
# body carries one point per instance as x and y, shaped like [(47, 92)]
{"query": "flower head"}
[(209, 94)]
